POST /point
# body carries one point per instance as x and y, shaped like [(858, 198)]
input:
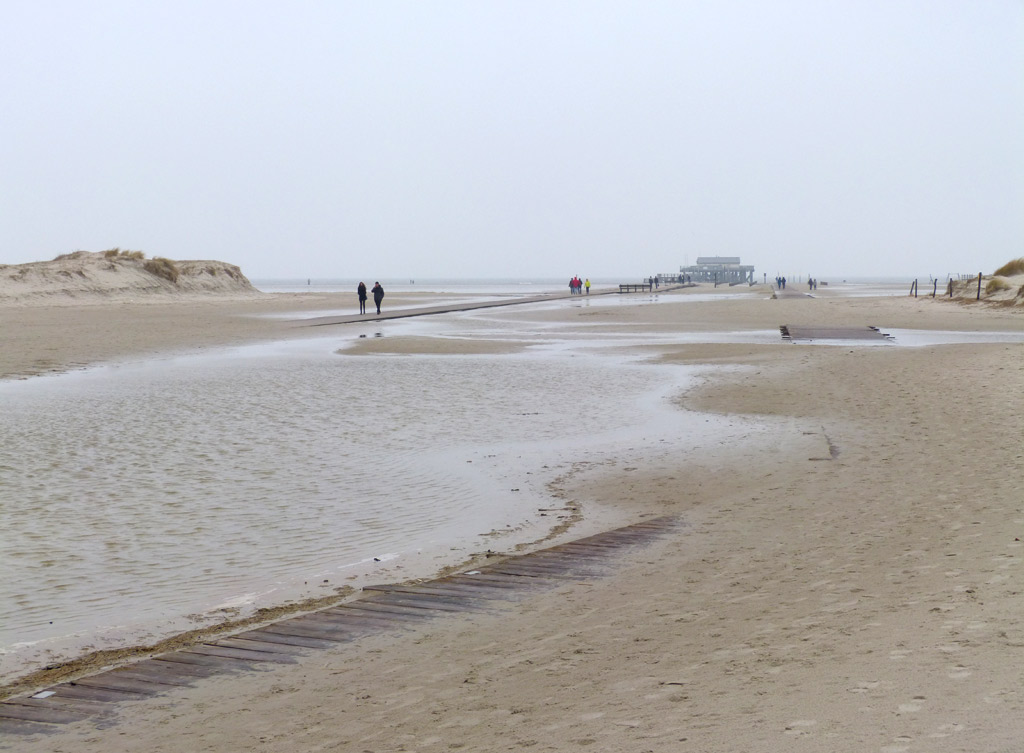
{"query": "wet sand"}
[(849, 585)]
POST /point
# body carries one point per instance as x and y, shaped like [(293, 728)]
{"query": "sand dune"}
[(1005, 289), (85, 276)]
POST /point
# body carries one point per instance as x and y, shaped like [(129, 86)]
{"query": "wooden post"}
[(913, 288), (950, 287), (979, 287), (935, 287)]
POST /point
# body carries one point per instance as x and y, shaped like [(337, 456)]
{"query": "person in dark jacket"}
[(361, 290), (378, 295)]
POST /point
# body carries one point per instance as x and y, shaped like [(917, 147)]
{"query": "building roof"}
[(718, 260)]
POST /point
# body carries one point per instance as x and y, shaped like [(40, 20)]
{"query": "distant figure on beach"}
[(361, 290), (378, 295), (587, 284)]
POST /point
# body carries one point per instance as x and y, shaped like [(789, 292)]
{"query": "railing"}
[(949, 285)]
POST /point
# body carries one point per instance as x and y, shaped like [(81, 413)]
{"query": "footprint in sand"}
[(958, 673), (899, 747), (914, 705), (946, 730), (864, 687), (799, 727)]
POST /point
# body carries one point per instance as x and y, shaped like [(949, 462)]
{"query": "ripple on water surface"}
[(135, 495)]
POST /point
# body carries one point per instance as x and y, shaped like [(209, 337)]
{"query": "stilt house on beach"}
[(720, 269)]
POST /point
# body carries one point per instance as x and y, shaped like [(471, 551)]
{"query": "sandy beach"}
[(846, 580)]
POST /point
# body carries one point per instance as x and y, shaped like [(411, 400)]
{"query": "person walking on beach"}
[(361, 291), (587, 284), (378, 295)]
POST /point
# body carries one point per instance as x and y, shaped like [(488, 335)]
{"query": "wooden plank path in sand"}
[(405, 313), (821, 332), (383, 608)]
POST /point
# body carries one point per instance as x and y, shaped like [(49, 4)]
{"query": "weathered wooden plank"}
[(433, 603), (226, 652), (442, 601), (103, 695), (330, 622), (446, 591), (472, 584), (618, 538), (158, 677), (183, 670), (366, 621), (286, 639), (600, 544), (560, 567), (414, 615), (480, 590), (221, 663), (548, 575), (597, 566), (338, 624), (11, 727), (398, 619), (551, 556), (39, 714), (109, 681), (511, 582), (72, 705), (309, 631), (587, 551), (387, 607), (508, 585), (663, 521), (268, 646)]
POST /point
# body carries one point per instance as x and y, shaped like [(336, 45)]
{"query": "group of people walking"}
[(378, 296), (576, 286)]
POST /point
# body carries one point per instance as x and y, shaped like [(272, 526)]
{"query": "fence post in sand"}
[(949, 287), (979, 287), (913, 289), (935, 287)]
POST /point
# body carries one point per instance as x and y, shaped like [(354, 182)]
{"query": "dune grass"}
[(1011, 268), (162, 267), (995, 285)]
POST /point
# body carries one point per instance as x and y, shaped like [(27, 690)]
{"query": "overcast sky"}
[(516, 139)]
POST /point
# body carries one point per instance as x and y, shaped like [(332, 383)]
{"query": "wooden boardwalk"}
[(820, 332), (383, 608), (406, 313)]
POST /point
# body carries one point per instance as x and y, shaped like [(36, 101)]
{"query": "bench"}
[(634, 288)]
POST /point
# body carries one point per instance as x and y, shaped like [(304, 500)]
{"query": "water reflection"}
[(138, 495)]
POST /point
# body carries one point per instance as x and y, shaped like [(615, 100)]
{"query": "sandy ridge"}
[(116, 275)]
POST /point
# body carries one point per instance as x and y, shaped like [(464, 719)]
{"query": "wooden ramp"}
[(383, 608), (793, 332)]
